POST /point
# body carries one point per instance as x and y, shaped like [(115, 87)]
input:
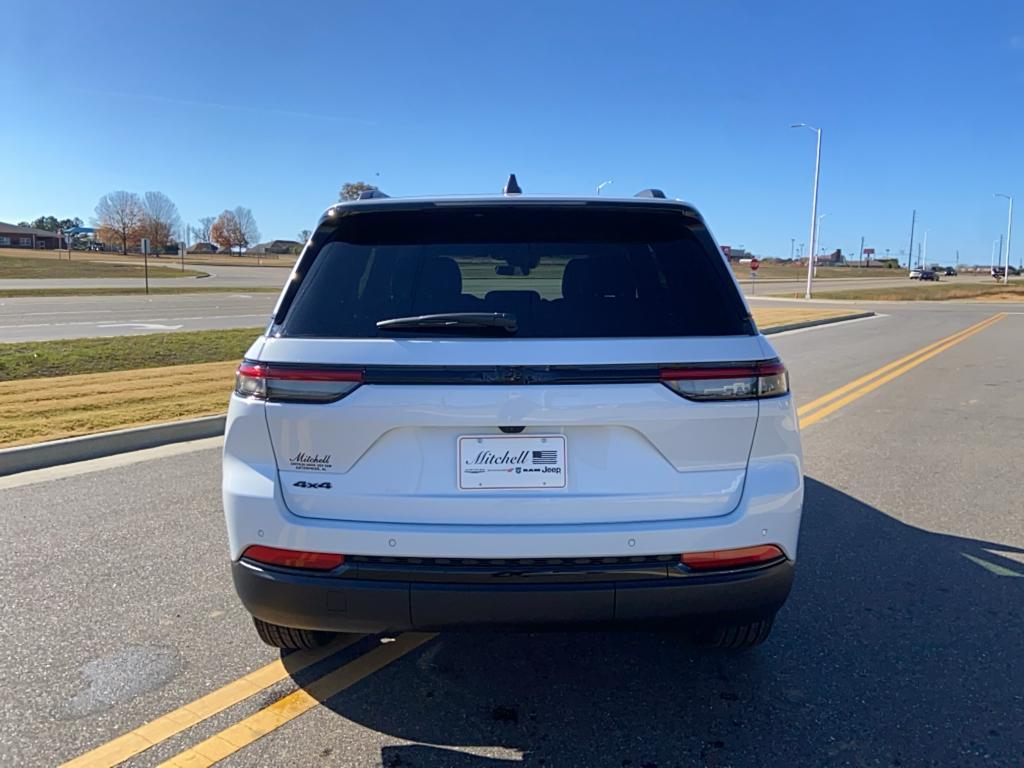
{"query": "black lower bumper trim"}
[(359, 605)]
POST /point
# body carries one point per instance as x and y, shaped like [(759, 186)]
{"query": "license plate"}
[(512, 462)]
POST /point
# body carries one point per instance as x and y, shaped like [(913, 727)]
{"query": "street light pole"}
[(1009, 231), (910, 253), (602, 185), (814, 208), (818, 238)]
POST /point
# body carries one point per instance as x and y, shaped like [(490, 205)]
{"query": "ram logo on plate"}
[(511, 463)]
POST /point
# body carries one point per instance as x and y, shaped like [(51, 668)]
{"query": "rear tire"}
[(736, 637), (289, 638)]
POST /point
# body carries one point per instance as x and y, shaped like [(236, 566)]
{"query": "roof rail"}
[(651, 193), (372, 194)]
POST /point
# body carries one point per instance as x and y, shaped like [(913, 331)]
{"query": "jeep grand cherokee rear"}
[(512, 412)]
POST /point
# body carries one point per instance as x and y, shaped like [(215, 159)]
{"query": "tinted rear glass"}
[(562, 271)]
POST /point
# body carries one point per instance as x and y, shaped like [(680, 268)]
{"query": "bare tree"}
[(160, 219), (119, 215), (304, 235), (235, 229), (202, 231), (350, 190)]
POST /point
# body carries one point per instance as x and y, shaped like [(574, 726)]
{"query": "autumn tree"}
[(201, 232), (350, 190), (119, 216), (235, 229), (160, 219)]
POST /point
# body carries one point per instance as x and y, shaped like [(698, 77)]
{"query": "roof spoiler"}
[(657, 193), (372, 194)]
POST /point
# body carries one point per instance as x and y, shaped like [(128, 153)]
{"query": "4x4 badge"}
[(304, 484)]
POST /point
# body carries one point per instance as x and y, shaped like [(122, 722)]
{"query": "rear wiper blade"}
[(505, 321)]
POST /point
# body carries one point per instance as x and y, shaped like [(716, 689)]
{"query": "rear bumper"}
[(407, 599)]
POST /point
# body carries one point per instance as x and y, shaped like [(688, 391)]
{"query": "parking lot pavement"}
[(900, 644)]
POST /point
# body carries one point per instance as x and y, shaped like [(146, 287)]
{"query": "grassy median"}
[(69, 357), (34, 268), (55, 389), (1013, 291), (799, 272)]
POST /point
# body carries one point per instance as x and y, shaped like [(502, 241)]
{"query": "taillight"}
[(719, 559), (294, 384), (293, 558), (744, 381)]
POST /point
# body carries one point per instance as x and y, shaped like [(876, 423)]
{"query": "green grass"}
[(797, 272), (13, 293), (27, 360), (31, 268), (1014, 291)]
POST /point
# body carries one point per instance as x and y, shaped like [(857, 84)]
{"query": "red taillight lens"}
[(731, 558), (744, 381), (293, 558), (296, 385)]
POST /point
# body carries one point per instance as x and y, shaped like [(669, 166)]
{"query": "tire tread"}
[(290, 638)]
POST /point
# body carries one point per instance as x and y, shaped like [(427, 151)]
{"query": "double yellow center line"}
[(341, 676), (817, 410)]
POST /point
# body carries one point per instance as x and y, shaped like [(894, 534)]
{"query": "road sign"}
[(144, 245), (754, 264), (869, 251)]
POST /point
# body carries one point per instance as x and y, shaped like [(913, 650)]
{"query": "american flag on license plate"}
[(545, 457)]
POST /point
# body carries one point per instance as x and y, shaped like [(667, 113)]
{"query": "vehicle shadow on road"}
[(898, 647)]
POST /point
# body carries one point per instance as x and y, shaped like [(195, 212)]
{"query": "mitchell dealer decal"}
[(316, 462)]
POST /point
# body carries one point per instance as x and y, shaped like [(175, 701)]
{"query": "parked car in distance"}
[(915, 274), (997, 272), (512, 411), (929, 274), (949, 272)]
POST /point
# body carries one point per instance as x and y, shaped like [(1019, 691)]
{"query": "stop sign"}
[(754, 264)]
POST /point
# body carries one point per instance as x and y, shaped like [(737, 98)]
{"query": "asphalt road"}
[(65, 317), (230, 276), (776, 286), (900, 646)]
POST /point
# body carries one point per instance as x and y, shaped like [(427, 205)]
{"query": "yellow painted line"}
[(804, 409), (152, 733), (914, 360), (284, 710)]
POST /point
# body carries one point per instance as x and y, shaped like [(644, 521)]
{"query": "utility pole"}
[(860, 256), (910, 253), (792, 243)]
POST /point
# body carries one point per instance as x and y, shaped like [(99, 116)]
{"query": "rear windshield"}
[(559, 271)]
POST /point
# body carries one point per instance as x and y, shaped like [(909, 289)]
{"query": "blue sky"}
[(274, 105)]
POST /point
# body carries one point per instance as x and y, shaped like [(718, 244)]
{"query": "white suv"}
[(512, 411)]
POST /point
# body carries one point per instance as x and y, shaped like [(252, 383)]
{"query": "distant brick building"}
[(12, 236)]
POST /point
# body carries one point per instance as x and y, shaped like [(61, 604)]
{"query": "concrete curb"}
[(23, 458), (812, 323)]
